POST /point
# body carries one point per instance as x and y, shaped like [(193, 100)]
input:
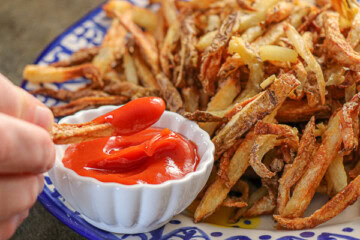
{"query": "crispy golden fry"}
[(336, 176), (191, 98), (85, 103), (337, 47), (66, 95), (270, 136), (253, 199), (217, 192), (141, 16), (172, 37), (233, 202), (169, 11), (256, 110), (311, 18), (201, 116), (205, 40), (327, 152), (296, 18), (331, 209), (189, 55), (231, 64), (353, 37), (222, 99), (265, 205), (84, 55), (300, 111), (334, 75), (169, 93), (349, 121), (129, 68), (252, 33), (257, 17), (75, 133), (312, 65), (271, 36), (146, 45), (112, 76), (211, 59), (276, 53), (254, 63), (129, 89), (144, 73), (46, 74), (279, 12), (267, 82), (295, 170)]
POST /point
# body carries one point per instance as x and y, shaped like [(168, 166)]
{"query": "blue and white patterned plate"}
[(89, 31)]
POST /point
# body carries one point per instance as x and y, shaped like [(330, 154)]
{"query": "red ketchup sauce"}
[(140, 155)]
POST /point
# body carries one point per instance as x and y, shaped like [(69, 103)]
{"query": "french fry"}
[(85, 103), (46, 74), (295, 170), (254, 63), (336, 175), (253, 199), (172, 36), (222, 99), (66, 95), (205, 40), (145, 75), (145, 44), (253, 112), (279, 12), (169, 11), (84, 55), (129, 68), (300, 111), (212, 56), (75, 133), (252, 33), (141, 16), (217, 192), (231, 64), (331, 209), (191, 98), (312, 65), (336, 45), (327, 152), (353, 37), (276, 53), (129, 89), (200, 116), (255, 18), (169, 93)]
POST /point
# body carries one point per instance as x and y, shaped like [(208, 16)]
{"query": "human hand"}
[(26, 151)]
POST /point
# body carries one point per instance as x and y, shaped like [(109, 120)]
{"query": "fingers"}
[(20, 193), (24, 148), (8, 226), (15, 102)]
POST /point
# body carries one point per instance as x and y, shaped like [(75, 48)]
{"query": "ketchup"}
[(151, 156), (138, 154), (134, 116)]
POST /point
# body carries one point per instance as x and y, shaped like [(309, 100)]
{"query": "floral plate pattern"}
[(89, 31)]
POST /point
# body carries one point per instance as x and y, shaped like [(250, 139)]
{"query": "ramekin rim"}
[(209, 161)]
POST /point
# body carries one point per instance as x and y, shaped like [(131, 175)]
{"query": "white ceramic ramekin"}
[(133, 208)]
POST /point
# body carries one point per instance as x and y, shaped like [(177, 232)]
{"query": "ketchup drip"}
[(134, 116)]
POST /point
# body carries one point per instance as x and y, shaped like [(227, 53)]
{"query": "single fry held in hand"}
[(275, 83)]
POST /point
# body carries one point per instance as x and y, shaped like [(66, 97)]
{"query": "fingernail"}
[(43, 117)]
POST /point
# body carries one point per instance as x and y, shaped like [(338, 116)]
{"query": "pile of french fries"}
[(274, 82)]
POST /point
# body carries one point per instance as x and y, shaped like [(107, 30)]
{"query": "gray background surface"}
[(26, 28)]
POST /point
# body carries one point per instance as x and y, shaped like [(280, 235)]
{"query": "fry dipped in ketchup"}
[(137, 154)]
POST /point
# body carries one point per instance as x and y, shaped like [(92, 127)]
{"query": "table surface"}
[(26, 28)]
